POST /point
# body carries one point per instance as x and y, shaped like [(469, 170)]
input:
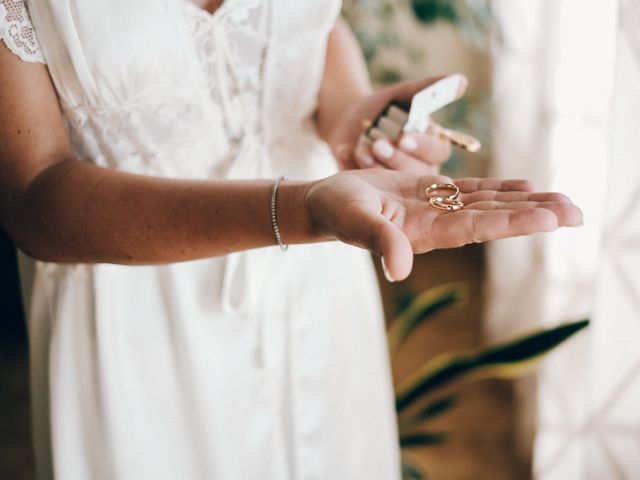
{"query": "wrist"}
[(295, 221)]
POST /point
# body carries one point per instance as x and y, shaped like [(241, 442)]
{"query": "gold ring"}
[(432, 191), (448, 204)]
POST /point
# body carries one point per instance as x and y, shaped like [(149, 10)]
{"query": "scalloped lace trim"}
[(17, 31)]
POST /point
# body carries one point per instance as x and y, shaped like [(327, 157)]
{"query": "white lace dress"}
[(258, 365)]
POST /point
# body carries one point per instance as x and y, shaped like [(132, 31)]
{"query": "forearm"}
[(345, 79), (74, 212)]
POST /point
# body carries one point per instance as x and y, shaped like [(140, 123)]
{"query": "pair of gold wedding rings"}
[(438, 198)]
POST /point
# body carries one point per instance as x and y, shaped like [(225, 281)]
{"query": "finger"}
[(513, 196), (567, 214), (363, 158), (428, 148), (395, 159), (475, 226), (362, 154), (397, 252), (384, 238), (344, 155), (469, 185)]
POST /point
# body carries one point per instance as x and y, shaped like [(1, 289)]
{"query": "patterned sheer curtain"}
[(567, 98)]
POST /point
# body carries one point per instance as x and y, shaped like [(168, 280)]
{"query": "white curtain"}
[(567, 100)]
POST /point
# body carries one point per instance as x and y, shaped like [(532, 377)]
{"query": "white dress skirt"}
[(257, 365)]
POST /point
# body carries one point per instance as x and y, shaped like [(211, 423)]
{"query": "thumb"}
[(387, 240)]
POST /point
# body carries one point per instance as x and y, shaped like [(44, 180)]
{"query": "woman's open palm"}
[(389, 213)]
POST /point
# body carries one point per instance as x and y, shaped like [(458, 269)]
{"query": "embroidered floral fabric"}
[(230, 46), (17, 32)]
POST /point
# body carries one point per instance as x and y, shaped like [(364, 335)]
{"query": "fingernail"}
[(408, 143), (367, 160), (462, 86), (385, 270), (364, 158), (383, 149)]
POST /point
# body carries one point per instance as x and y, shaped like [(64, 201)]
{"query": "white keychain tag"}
[(430, 100)]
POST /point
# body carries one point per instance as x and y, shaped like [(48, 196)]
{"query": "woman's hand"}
[(388, 213), (413, 152), (346, 99)]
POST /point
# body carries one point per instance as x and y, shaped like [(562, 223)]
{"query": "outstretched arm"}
[(59, 209)]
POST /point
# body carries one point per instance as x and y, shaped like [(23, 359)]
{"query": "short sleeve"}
[(17, 32)]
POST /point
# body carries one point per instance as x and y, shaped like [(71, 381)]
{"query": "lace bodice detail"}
[(165, 88), (17, 31), (231, 46)]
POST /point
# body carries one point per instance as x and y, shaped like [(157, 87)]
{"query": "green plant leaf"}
[(403, 296), (411, 471), (422, 308), (434, 409), (422, 439), (431, 11), (508, 360)]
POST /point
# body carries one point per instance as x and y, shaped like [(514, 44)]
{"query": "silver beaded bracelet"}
[(274, 218)]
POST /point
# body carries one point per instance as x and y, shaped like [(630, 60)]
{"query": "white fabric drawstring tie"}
[(235, 117)]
